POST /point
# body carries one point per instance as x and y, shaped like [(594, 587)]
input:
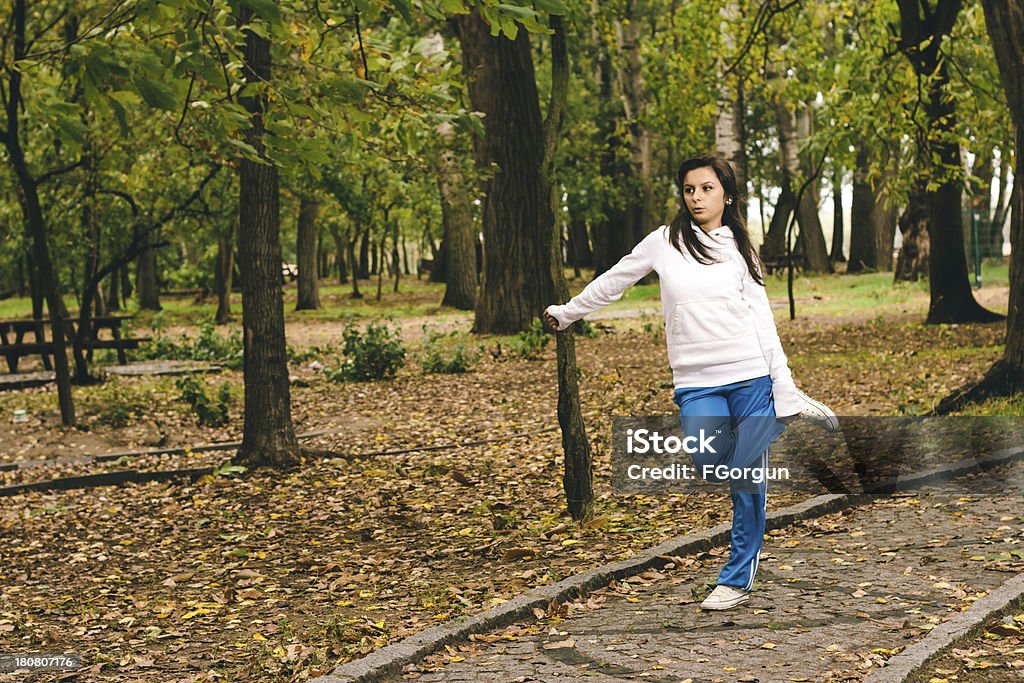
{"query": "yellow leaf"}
[(768, 646), (259, 636)]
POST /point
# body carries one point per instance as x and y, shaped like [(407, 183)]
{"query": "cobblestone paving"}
[(835, 597)]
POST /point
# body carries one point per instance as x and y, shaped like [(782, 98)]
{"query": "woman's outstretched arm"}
[(607, 287)]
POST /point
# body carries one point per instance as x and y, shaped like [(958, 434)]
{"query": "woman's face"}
[(704, 197)]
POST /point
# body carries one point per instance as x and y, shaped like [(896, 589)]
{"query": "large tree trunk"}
[(730, 133), (269, 436), (912, 263), (146, 287), (774, 247), (222, 274), (872, 225), (921, 40), (459, 229), (812, 238), (1005, 22), (579, 245), (309, 274), (35, 221), (517, 284)]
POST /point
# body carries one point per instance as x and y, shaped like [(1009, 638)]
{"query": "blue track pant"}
[(742, 416)]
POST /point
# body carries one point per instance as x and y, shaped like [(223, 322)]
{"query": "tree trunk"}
[(356, 294), (730, 132), (395, 257), (838, 235), (114, 291), (91, 230), (364, 254), (309, 274), (517, 284), (577, 480), (340, 252), (912, 263), (812, 238), (873, 227), (579, 245), (269, 435), (222, 274), (459, 228), (35, 221), (1005, 22), (921, 40), (146, 287)]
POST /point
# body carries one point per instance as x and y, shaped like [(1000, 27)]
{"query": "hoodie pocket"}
[(709, 320)]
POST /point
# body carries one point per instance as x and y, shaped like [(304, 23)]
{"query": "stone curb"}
[(907, 665), (390, 659)]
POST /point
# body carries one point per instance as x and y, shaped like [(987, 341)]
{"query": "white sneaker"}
[(818, 413), (725, 597)]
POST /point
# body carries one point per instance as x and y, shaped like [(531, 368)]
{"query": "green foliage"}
[(209, 411), (531, 343), (208, 346), (446, 359), (377, 353)]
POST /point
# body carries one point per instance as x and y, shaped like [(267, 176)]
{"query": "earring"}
[(729, 200)]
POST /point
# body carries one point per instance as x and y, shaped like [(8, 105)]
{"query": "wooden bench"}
[(117, 342), (14, 350)]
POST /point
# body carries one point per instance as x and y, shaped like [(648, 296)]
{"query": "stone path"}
[(835, 597)]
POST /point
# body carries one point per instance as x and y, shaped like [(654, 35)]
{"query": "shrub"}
[(208, 345), (377, 353), (530, 343), (210, 412), (437, 360)]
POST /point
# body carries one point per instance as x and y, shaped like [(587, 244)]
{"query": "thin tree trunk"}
[(114, 291), (356, 294), (222, 275), (459, 227), (146, 287), (269, 435), (364, 254), (309, 275), (577, 480), (838, 231)]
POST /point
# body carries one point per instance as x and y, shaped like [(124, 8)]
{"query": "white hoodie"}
[(719, 326)]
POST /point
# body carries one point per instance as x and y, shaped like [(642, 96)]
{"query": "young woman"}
[(729, 370)]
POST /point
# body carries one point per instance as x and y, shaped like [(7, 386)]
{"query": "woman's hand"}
[(551, 321)]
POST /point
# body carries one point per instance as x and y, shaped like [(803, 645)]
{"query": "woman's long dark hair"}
[(733, 217)]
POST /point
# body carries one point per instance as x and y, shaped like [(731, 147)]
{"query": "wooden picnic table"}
[(16, 348)]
